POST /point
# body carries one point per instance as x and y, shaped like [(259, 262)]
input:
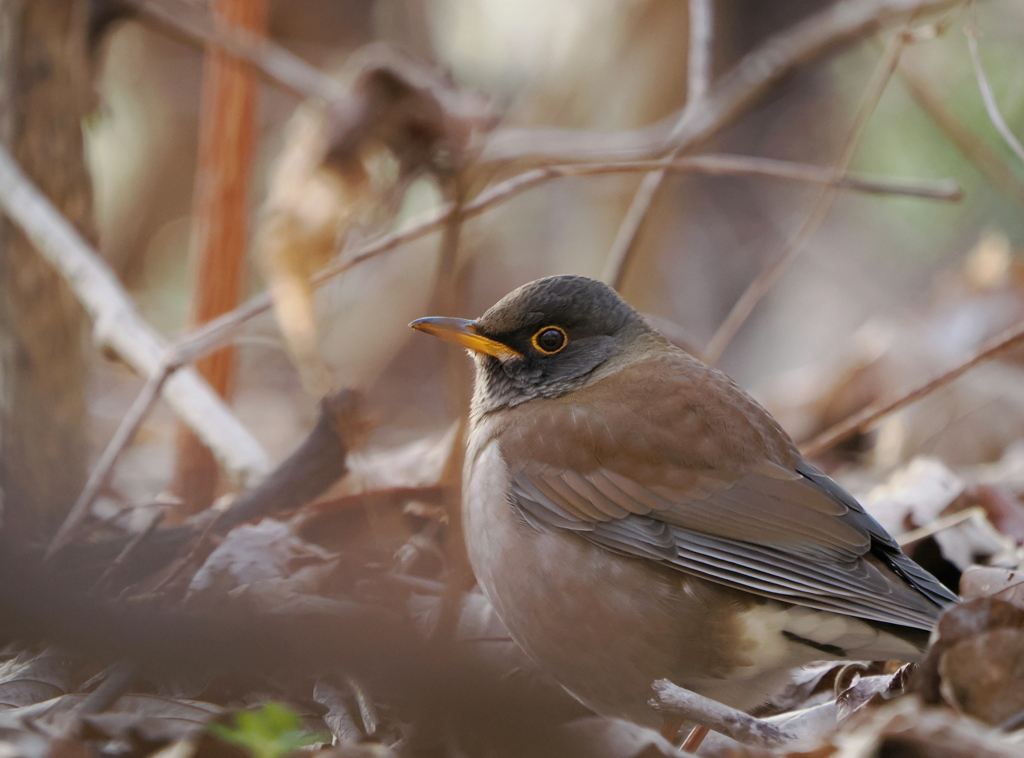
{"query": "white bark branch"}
[(119, 326)]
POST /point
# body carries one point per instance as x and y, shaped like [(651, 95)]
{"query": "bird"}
[(633, 515)]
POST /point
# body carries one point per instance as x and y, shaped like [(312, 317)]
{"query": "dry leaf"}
[(28, 679), (905, 728), (915, 495), (961, 623), (345, 166), (983, 676), (985, 581), (263, 558)]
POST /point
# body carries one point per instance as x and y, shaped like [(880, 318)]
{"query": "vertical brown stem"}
[(226, 145), (45, 92)]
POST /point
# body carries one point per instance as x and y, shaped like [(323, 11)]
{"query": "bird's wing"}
[(686, 496), (748, 535)]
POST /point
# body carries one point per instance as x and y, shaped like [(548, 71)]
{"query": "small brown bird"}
[(633, 515)]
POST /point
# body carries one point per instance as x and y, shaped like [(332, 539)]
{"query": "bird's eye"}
[(550, 340)]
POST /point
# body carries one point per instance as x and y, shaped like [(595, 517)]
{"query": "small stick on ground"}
[(674, 700)]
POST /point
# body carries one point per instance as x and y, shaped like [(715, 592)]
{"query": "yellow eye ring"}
[(550, 340)]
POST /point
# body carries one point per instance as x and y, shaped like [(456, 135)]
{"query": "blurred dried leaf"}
[(263, 559), (1004, 509), (417, 464), (598, 737), (808, 682), (915, 495), (870, 689), (347, 165), (29, 679), (972, 540), (933, 501), (983, 676), (905, 728), (1003, 584), (339, 716), (172, 716), (22, 741), (973, 619)]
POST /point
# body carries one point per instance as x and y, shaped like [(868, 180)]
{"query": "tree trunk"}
[(45, 91)]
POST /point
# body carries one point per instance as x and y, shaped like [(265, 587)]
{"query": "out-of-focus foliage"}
[(272, 731)]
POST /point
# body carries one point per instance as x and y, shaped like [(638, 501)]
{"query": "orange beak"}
[(463, 332)]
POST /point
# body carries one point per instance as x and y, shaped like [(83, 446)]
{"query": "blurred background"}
[(170, 156), (886, 292)]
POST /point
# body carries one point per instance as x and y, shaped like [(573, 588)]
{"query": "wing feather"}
[(849, 566)]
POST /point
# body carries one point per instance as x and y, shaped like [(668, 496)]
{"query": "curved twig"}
[(1011, 337)]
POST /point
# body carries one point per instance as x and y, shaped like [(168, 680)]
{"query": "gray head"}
[(544, 339)]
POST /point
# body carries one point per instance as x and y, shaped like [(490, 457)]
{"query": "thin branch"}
[(104, 468), (766, 280), (714, 164), (989, 163), (215, 333), (676, 701), (698, 79), (156, 518), (700, 50), (118, 325), (991, 106), (940, 525), (272, 60), (825, 33), (869, 416)]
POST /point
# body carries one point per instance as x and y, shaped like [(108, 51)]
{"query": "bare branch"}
[(991, 106), (768, 277), (988, 162), (700, 50), (674, 700), (868, 416), (118, 325), (698, 79), (215, 333), (823, 34), (195, 24), (217, 253), (716, 164), (104, 468)]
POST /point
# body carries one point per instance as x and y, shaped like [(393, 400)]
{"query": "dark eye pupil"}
[(550, 340)]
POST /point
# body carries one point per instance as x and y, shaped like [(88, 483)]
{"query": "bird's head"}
[(544, 339)]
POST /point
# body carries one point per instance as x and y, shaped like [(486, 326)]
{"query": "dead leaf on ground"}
[(984, 676), (1000, 583), (905, 728), (28, 679), (261, 558), (915, 495), (955, 667)]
